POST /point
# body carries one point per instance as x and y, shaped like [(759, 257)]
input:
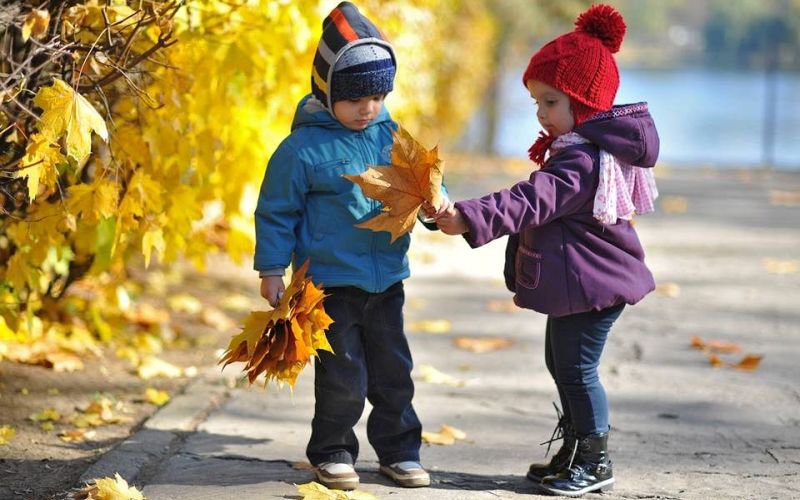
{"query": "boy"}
[(307, 211)]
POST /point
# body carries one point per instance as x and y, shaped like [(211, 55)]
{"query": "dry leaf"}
[(108, 488), (447, 435), (715, 345), (503, 306), (76, 436), (414, 176), (431, 326), (152, 366), (279, 343), (35, 24), (7, 433), (316, 491), (185, 303), (674, 204), (155, 396), (669, 289), (748, 363), (48, 415), (775, 266), (784, 198), (482, 344), (428, 373)]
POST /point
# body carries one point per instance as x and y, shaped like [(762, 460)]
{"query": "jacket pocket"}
[(528, 267), (327, 176)]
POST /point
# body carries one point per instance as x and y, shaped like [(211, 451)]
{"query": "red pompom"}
[(604, 22)]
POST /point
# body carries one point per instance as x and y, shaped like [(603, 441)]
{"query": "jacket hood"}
[(344, 28), (311, 112), (627, 132)]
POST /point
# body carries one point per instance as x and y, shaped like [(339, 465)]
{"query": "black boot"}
[(590, 469), (560, 461)]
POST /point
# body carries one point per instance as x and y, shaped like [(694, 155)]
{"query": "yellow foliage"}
[(108, 488)]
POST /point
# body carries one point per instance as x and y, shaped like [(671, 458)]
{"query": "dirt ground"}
[(37, 464)]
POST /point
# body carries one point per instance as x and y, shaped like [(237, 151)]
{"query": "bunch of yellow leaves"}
[(414, 177), (108, 488), (279, 343)]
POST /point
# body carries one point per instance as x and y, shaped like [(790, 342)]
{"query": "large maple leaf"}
[(279, 343), (415, 176)]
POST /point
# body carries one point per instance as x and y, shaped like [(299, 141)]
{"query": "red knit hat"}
[(580, 63)]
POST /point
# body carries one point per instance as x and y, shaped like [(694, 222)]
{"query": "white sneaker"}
[(337, 476), (407, 474)]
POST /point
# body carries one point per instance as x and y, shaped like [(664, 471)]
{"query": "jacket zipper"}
[(368, 159)]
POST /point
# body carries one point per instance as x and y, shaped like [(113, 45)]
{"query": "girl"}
[(573, 253)]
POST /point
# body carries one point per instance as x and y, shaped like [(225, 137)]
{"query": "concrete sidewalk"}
[(680, 428)]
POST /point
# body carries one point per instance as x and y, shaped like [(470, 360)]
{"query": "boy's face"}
[(554, 111), (356, 114)]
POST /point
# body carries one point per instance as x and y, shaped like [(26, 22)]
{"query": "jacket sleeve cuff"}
[(278, 271)]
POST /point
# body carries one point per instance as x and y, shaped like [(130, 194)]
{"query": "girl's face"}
[(356, 114), (553, 108)]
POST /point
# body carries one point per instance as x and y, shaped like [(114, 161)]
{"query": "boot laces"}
[(558, 432)]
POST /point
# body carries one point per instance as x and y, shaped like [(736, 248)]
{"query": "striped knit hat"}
[(353, 58), (581, 63)]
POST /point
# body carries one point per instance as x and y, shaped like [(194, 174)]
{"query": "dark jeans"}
[(372, 361), (573, 346)]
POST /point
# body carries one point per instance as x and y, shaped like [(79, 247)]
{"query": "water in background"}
[(704, 117)]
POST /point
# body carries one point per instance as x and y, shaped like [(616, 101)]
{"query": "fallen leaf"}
[(35, 24), (47, 426), (155, 396), (152, 366), (446, 436), (430, 326), (715, 361), (669, 289), (482, 344), (784, 198), (76, 436), (775, 266), (7, 433), (108, 488), (217, 319), (674, 204), (502, 306), (316, 491), (748, 363), (414, 176), (715, 345), (49, 414), (431, 375)]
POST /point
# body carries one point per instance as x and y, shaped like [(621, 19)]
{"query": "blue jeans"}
[(573, 346), (372, 360)]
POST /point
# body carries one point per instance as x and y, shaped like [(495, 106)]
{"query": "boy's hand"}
[(450, 220), (272, 289)]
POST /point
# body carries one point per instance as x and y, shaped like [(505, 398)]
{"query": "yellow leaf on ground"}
[(35, 24), (67, 112), (415, 176), (155, 396), (152, 366), (316, 491), (428, 373), (49, 414), (669, 289), (431, 326), (7, 433), (482, 344), (775, 266), (674, 204), (76, 436), (446, 436), (108, 488), (185, 303), (748, 363)]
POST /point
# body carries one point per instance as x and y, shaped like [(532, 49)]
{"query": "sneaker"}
[(337, 476), (407, 474)]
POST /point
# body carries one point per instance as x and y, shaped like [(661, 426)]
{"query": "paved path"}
[(681, 429)]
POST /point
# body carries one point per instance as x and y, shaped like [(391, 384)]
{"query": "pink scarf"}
[(623, 190)]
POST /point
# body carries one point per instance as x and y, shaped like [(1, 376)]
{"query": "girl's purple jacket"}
[(560, 260)]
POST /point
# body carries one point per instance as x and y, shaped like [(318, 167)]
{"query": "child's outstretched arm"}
[(449, 219)]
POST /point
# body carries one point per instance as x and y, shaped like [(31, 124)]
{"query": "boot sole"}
[(346, 484), (602, 486), (406, 481)]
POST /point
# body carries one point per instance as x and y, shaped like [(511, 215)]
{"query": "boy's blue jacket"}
[(307, 210)]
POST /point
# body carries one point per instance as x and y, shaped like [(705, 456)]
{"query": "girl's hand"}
[(450, 220), (272, 289)]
